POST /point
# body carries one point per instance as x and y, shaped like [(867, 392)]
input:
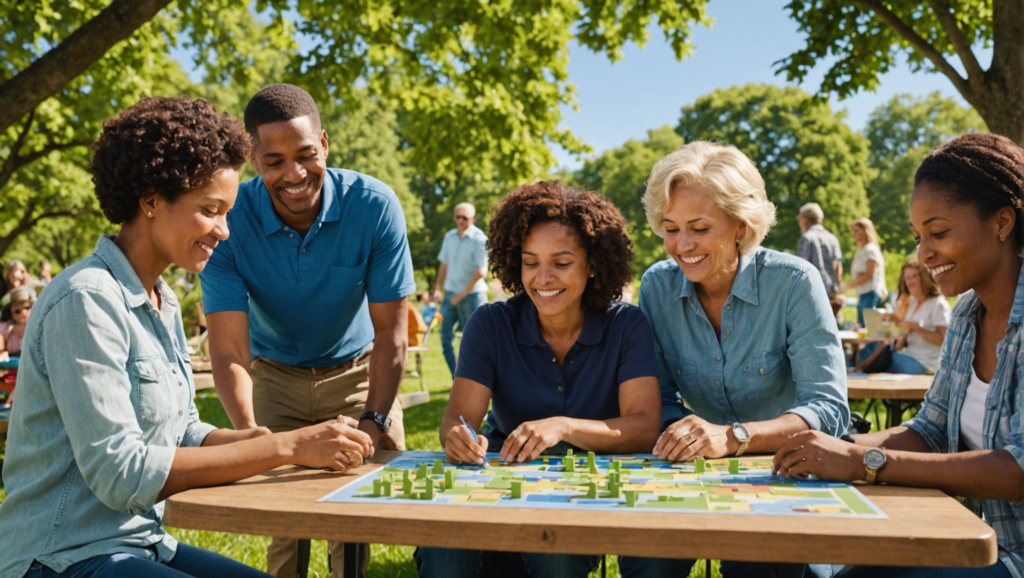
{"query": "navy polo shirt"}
[(307, 297), (502, 349)]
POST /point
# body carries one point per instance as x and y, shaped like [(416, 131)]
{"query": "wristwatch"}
[(742, 436), (874, 459), (383, 422)]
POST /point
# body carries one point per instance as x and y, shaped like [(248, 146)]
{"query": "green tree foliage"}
[(901, 132), (620, 174), (804, 151), (862, 39)]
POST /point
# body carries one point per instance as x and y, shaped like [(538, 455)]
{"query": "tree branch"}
[(47, 75), (920, 44), (13, 163), (956, 38)]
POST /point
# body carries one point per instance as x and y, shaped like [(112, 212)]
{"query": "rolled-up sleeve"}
[(672, 408), (222, 284), (196, 431), (816, 357), (85, 348)]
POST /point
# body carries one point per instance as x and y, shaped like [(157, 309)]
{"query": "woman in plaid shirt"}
[(968, 438)]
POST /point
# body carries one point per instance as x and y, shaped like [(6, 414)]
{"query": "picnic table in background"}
[(857, 341), (925, 527), (897, 392)]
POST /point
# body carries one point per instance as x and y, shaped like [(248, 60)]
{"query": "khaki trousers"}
[(286, 398)]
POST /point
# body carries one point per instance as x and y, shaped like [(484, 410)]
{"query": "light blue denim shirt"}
[(938, 421), (779, 351), (104, 398), (464, 255)]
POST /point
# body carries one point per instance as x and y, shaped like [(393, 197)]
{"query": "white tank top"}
[(972, 414)]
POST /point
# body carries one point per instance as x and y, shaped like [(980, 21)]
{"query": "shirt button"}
[(716, 383), (559, 388), (570, 362), (554, 360), (718, 358), (728, 332), (180, 384), (174, 370), (179, 412), (762, 370), (303, 250), (679, 372), (728, 306), (290, 235)]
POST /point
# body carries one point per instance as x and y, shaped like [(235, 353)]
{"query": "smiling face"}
[(292, 159), (186, 231), (464, 217), (555, 269), (960, 248), (860, 236), (700, 237), (16, 277), (912, 279), (20, 312)]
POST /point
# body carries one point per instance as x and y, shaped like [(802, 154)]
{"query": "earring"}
[(1001, 238), (150, 214)]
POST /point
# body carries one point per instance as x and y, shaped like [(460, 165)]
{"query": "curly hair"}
[(600, 230), (983, 170), (162, 145)]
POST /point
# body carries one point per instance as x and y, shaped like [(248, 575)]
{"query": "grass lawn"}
[(421, 427)]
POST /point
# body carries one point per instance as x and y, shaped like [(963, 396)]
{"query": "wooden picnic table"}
[(856, 342), (896, 395), (925, 526)]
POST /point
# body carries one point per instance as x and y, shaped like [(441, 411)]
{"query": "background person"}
[(968, 437), (105, 426), (12, 333), (867, 272), (463, 267), (561, 362), (427, 307), (333, 241), (16, 275), (45, 276), (743, 334), (925, 322), (819, 247)]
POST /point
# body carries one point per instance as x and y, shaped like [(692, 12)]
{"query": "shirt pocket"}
[(151, 399), (684, 375), (764, 376), (348, 278)]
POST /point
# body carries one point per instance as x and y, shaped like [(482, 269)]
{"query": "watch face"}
[(741, 432), (874, 458)]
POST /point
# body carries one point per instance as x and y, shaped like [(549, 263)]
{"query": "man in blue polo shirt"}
[(315, 275), (463, 260)]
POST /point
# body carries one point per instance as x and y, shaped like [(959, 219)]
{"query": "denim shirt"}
[(779, 350), (938, 421), (104, 398)]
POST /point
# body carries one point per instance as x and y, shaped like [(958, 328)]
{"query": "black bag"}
[(879, 361)]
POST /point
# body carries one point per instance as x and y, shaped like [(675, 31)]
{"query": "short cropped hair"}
[(724, 173), (279, 103), (599, 227), (868, 227), (812, 212), (165, 146)]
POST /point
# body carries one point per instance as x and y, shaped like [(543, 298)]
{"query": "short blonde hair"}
[(724, 173), (869, 229)]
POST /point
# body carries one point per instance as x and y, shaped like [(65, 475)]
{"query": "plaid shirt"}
[(821, 249), (938, 422)]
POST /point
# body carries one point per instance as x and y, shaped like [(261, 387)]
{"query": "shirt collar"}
[(744, 286), (1017, 313), (330, 209), (529, 326), (123, 272)]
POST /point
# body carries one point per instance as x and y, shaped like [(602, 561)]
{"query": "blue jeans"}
[(868, 300), (997, 570), (456, 313), (632, 567), (447, 563), (188, 562), (901, 362)]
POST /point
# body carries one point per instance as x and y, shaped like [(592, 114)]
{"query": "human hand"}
[(909, 325), (901, 342), (817, 453), (459, 447), (527, 441), (334, 444), (693, 437), (370, 429), (438, 297), (454, 299)]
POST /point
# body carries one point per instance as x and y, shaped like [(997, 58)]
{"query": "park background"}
[(454, 101)]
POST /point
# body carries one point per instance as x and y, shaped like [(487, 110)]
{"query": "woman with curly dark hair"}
[(105, 426), (562, 363)]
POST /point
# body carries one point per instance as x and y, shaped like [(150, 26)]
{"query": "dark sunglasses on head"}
[(25, 308)]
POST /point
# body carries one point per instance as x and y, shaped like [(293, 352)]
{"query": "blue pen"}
[(472, 432)]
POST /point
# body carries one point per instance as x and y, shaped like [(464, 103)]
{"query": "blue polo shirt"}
[(502, 349), (307, 297)]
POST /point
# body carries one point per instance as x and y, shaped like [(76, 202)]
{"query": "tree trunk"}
[(46, 76), (1000, 97)]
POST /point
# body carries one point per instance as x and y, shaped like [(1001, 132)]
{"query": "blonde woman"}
[(867, 273), (743, 334)]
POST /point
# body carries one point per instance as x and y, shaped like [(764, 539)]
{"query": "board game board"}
[(619, 483)]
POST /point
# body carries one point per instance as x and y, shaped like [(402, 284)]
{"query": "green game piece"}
[(438, 467), (449, 479), (568, 452), (407, 485), (405, 475), (592, 463), (631, 498), (698, 466), (429, 494), (545, 460), (517, 489), (613, 489), (422, 473), (376, 488), (387, 488), (734, 466), (569, 462), (592, 491), (617, 465)]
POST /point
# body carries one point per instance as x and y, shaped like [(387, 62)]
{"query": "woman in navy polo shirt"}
[(562, 363)]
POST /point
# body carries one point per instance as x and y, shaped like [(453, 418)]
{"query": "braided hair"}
[(983, 170)]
